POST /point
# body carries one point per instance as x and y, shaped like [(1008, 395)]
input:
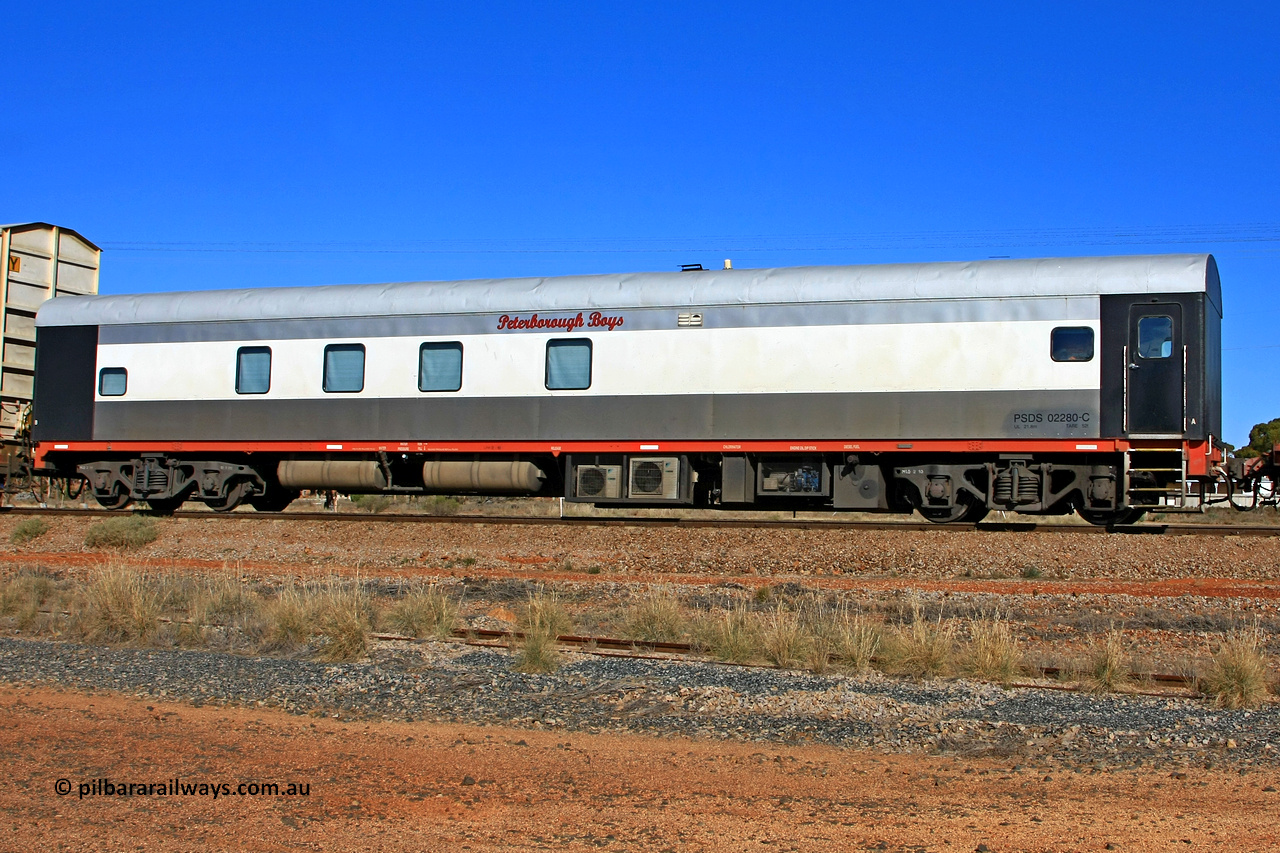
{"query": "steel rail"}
[(662, 650), (651, 650), (1148, 528)]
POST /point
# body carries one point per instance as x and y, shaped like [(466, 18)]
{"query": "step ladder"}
[(1156, 478)]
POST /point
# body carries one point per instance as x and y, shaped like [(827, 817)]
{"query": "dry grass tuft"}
[(1237, 678), (443, 505), (372, 503), (542, 619), (229, 599), (287, 620), (922, 649), (657, 617), (731, 637), (27, 530), (1107, 668), (818, 622), (23, 595), (544, 612), (993, 652), (124, 533), (784, 639), (119, 605), (537, 652), (216, 611), (341, 615), (424, 612), (854, 640)]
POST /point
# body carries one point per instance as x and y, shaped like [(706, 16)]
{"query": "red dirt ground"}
[(404, 787)]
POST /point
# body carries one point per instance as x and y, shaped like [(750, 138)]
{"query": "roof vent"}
[(691, 268)]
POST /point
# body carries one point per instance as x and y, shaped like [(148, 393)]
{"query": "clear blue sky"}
[(230, 145)]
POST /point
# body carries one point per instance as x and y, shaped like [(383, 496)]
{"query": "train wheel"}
[(1109, 517), (117, 499), (274, 501), (961, 513), (236, 495)]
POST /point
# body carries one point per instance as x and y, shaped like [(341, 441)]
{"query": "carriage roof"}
[(987, 279)]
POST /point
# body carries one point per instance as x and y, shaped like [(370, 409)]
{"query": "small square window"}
[(253, 370), (440, 366), (344, 368), (1071, 343), (112, 381), (569, 364), (1155, 337)]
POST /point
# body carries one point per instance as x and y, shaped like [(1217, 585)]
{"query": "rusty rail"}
[(650, 650)]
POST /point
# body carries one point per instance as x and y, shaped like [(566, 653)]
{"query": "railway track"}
[(656, 650), (1145, 529)]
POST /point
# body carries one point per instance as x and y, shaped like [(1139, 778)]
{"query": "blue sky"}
[(230, 145)]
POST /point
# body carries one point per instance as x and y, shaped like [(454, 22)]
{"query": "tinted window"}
[(343, 368), (253, 370), (112, 381), (1071, 343), (1155, 337), (569, 364), (440, 367)]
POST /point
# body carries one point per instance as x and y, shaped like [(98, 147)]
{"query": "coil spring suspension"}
[(1016, 485), (150, 478)]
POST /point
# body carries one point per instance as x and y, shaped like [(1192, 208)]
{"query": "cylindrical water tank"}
[(350, 476), (511, 477)]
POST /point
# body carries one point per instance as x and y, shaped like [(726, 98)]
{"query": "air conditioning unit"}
[(656, 477), (598, 481)]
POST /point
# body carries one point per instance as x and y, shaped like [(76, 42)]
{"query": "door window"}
[(1155, 337)]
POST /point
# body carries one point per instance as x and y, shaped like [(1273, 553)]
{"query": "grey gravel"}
[(450, 682)]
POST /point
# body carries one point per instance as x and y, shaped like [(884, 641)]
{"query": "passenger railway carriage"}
[(1042, 386)]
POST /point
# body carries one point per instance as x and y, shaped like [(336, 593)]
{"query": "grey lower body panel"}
[(741, 417)]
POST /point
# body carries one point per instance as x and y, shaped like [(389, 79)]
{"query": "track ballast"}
[(1149, 528)]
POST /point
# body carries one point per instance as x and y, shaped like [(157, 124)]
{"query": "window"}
[(1155, 337), (343, 368), (1071, 343), (112, 381), (253, 370), (440, 367), (569, 364)]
